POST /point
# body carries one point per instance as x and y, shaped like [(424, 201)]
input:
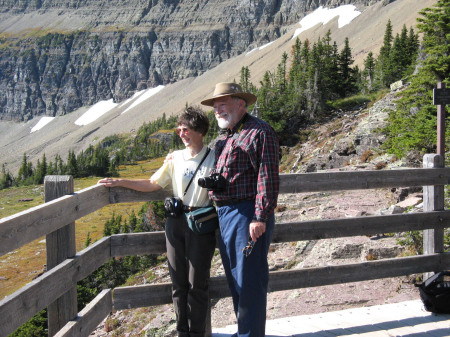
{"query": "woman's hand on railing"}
[(109, 182), (141, 185)]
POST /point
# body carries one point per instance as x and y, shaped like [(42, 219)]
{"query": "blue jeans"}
[(247, 277)]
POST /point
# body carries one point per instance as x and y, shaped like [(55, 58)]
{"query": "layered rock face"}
[(57, 56)]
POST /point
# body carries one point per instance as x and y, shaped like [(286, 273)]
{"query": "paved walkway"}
[(397, 319)]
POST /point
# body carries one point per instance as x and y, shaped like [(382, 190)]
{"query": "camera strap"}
[(201, 162)]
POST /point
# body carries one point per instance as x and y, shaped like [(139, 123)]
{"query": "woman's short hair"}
[(194, 119)]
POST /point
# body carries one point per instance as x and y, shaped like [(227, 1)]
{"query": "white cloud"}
[(42, 122), (322, 15), (147, 94), (97, 110)]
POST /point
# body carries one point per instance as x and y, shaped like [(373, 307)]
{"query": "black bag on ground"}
[(203, 220), (435, 293)]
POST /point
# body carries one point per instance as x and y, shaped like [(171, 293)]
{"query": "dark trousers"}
[(247, 277), (189, 256)]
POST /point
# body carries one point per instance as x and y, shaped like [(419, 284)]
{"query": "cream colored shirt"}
[(179, 171)]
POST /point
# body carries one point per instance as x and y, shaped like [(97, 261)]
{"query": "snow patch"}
[(260, 48), (136, 95), (322, 15), (42, 122), (142, 97), (96, 111), (266, 45)]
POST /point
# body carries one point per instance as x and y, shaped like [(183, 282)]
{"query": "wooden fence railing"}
[(57, 284)]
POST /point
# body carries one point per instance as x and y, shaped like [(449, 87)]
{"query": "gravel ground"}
[(160, 321)]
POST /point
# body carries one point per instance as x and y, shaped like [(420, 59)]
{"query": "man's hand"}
[(257, 228), (169, 157)]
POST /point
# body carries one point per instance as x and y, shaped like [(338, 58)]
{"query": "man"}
[(247, 159)]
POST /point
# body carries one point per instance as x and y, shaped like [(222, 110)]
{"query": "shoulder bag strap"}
[(190, 181)]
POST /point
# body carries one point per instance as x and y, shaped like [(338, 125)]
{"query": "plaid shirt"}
[(248, 160)]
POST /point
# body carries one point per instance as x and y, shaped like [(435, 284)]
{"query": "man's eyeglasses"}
[(247, 250), (181, 130)]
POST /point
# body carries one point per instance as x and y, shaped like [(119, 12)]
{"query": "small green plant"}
[(111, 324), (88, 240), (350, 103), (412, 240)]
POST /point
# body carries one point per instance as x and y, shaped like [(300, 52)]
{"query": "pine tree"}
[(72, 165), (348, 79), (435, 24), (412, 126), (59, 165), (297, 79), (396, 60), (296, 61), (369, 71), (402, 44), (6, 179), (412, 45), (329, 64), (41, 170), (25, 170), (281, 83), (383, 64), (334, 73), (245, 79), (314, 92), (269, 104), (403, 54)]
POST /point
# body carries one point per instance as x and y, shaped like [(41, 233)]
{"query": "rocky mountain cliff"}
[(79, 82), (57, 56)]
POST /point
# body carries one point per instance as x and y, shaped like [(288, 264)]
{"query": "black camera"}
[(215, 182), (173, 206)]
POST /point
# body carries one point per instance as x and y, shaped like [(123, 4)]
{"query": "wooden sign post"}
[(441, 97), (433, 196)]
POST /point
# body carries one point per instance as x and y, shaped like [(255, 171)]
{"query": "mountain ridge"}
[(61, 135), (68, 55)]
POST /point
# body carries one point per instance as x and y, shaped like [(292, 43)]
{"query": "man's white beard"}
[(223, 123)]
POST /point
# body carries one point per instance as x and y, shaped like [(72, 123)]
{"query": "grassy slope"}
[(23, 265)]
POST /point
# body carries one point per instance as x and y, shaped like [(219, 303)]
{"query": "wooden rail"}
[(45, 219)]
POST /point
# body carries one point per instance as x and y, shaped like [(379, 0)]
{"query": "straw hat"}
[(229, 89)]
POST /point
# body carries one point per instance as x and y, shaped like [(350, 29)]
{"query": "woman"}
[(189, 254)]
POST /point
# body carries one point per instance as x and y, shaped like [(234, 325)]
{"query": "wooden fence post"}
[(433, 200), (60, 246)]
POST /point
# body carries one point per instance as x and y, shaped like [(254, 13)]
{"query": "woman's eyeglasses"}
[(181, 130)]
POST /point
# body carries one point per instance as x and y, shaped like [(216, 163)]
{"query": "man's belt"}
[(220, 203), (189, 208)]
